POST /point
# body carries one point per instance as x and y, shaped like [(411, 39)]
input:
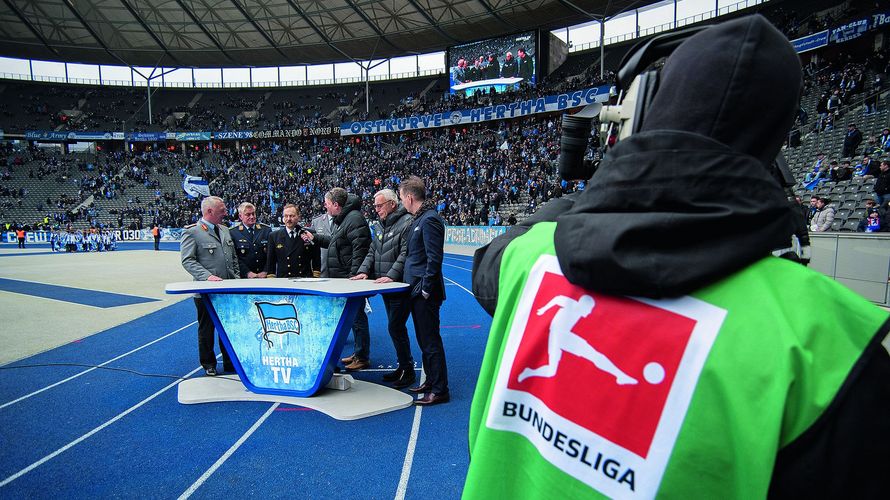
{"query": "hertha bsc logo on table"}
[(601, 384), (278, 319)]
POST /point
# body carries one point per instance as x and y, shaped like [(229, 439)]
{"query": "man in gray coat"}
[(385, 262), (208, 254), (322, 225)]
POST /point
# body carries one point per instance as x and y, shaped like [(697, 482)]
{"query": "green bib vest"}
[(583, 395)]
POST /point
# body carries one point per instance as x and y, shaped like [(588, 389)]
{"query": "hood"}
[(690, 199), (737, 82), (353, 202)]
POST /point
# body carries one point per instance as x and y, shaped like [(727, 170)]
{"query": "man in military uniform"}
[(288, 255), (323, 225), (208, 254), (251, 242)]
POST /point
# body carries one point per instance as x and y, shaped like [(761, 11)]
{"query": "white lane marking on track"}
[(459, 285), (452, 265), (197, 484), (409, 455), (415, 430), (94, 431), (38, 391), (460, 259)]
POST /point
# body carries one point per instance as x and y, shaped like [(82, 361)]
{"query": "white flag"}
[(195, 186)]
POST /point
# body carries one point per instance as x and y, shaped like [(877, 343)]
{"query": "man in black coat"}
[(251, 242), (288, 255), (526, 65), (423, 272), (347, 246)]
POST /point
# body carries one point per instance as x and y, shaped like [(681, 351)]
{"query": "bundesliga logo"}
[(600, 384)]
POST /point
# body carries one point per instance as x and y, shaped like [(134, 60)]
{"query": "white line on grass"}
[(228, 453), (94, 431), (38, 391)]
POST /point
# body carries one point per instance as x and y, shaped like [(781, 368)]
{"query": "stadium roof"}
[(237, 33)]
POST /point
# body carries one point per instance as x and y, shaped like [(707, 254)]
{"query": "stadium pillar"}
[(603, 48), (148, 91)]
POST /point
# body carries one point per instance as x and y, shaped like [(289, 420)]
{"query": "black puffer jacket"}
[(388, 248), (348, 242)]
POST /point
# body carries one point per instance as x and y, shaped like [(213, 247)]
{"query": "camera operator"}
[(695, 370)]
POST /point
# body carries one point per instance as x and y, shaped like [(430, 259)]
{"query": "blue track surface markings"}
[(93, 298), (121, 434)]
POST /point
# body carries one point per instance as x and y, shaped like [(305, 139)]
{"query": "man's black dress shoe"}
[(394, 375), (210, 372), (405, 380), (431, 398), (421, 388)]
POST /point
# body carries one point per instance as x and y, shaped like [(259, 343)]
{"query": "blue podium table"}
[(284, 335)]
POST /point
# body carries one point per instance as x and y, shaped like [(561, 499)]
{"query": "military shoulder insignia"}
[(204, 227), (190, 226)]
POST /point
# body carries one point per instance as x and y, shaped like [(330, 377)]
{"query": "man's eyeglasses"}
[(379, 205)]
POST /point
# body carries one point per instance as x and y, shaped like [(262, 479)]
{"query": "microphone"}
[(301, 230)]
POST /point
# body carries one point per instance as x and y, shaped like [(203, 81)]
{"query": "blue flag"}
[(277, 319)]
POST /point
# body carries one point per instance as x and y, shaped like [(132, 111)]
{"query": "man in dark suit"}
[(251, 242), (423, 272), (288, 255), (526, 65), (208, 254)]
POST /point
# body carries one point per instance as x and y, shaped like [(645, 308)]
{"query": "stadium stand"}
[(481, 174)]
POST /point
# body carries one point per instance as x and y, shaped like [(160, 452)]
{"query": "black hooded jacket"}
[(690, 199), (348, 242)]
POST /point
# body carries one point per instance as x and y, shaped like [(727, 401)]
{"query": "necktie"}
[(216, 230)]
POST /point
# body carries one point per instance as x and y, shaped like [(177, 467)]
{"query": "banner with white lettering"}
[(810, 42), (879, 19), (167, 234), (547, 104), (850, 31), (274, 134), (474, 236)]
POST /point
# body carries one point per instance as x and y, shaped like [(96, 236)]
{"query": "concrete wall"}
[(859, 261)]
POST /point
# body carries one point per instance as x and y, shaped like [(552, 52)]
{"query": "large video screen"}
[(496, 63)]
